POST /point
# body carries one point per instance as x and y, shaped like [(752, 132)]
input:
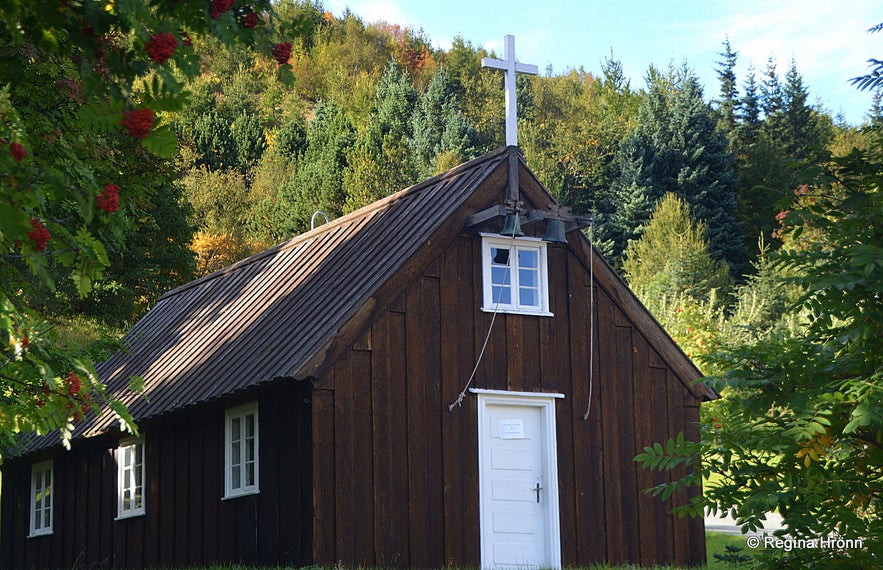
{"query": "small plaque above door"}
[(511, 429)]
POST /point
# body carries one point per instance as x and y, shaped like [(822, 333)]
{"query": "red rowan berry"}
[(281, 52), (108, 199), (17, 151), (138, 122), (161, 47), (73, 383), (39, 235), (219, 7), (250, 20)]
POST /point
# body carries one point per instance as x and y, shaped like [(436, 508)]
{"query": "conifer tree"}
[(676, 148), (671, 259), (772, 102), (729, 104), (380, 163), (749, 112), (318, 184), (804, 137), (438, 126)]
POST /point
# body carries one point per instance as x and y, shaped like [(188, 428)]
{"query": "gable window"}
[(515, 275), (241, 456), (130, 478), (41, 498)]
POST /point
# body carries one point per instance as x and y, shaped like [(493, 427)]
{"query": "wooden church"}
[(303, 406), (404, 386)]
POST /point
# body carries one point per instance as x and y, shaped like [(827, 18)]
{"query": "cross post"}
[(511, 67)]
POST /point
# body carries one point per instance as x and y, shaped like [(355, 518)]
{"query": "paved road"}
[(728, 524)]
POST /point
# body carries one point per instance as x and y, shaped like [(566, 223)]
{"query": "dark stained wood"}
[(167, 474), (324, 454), (344, 467), (458, 354), (652, 540), (424, 412)]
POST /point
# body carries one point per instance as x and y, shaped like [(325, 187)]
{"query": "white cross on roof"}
[(511, 67)]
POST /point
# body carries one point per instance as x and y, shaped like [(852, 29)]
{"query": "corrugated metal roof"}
[(269, 316)]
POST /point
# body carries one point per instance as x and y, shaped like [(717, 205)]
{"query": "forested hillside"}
[(747, 219), (376, 108)]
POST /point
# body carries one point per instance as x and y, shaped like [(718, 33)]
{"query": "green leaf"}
[(161, 141), (104, 116)]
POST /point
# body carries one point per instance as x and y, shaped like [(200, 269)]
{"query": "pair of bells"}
[(554, 229)]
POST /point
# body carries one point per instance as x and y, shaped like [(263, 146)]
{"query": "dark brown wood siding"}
[(397, 473), (186, 521)]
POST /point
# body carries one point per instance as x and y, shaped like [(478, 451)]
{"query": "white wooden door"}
[(518, 481)]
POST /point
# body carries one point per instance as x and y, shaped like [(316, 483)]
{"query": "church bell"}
[(512, 226), (555, 232)]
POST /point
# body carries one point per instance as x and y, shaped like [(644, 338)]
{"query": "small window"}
[(241, 457), (515, 275), (41, 498), (130, 478)]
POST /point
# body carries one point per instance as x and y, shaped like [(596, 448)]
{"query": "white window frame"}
[(39, 527), (490, 304), (126, 478), (230, 439)]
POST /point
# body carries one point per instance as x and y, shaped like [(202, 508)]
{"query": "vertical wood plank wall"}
[(186, 522), (372, 469), (397, 472)]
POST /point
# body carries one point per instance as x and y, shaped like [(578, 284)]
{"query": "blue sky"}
[(827, 38)]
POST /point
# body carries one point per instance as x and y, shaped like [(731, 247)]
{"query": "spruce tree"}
[(749, 111), (804, 136), (439, 127), (772, 102), (676, 148), (729, 104), (671, 259), (379, 163), (318, 184)]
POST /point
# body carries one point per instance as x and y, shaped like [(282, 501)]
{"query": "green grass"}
[(715, 543)]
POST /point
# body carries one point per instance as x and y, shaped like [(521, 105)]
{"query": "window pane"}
[(500, 256), (501, 276), (249, 474), (527, 277), (235, 429), (235, 478), (502, 295), (529, 297), (235, 453), (249, 425), (528, 258)]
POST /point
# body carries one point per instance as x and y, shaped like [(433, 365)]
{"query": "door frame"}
[(546, 403)]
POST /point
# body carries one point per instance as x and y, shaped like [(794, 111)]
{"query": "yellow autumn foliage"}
[(216, 251)]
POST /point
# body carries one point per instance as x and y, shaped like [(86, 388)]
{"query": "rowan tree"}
[(118, 73), (800, 427)]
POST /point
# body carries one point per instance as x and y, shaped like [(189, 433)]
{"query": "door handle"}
[(538, 489)]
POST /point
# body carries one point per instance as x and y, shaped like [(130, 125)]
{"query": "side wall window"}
[(41, 498), (241, 455), (515, 275), (130, 478)]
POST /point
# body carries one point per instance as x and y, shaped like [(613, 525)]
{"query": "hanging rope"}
[(591, 318), (459, 401)]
